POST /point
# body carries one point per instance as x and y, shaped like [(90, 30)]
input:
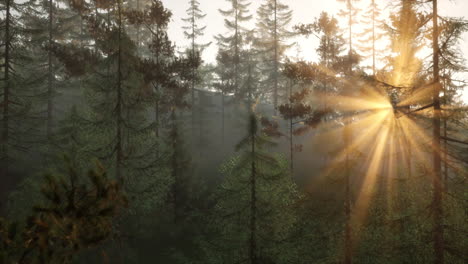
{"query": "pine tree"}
[(438, 232), (17, 124), (117, 129), (350, 12), (192, 32), (405, 67), (48, 24), (250, 215), (297, 111), (404, 71), (7, 67), (225, 83), (371, 34), (233, 41), (450, 65), (179, 164), (167, 79), (330, 48), (273, 21), (74, 214), (230, 48), (448, 157)]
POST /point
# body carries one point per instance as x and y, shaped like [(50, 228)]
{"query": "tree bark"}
[(193, 71), (119, 97), (253, 207), (275, 95), (373, 37), (175, 167), (291, 146), (222, 118), (50, 86), (438, 232), (347, 206), (6, 91)]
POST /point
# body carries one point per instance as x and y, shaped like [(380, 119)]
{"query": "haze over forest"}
[(234, 131)]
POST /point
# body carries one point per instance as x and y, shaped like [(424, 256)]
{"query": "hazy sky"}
[(304, 11)]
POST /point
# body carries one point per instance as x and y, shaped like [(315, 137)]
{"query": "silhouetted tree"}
[(371, 35)]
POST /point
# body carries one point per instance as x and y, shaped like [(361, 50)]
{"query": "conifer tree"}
[(179, 164), (168, 78), (407, 32), (446, 61), (404, 71), (330, 49), (371, 34), (351, 13), (299, 114), (74, 214), (116, 87), (48, 24), (450, 64), (231, 43), (7, 67), (250, 205), (273, 21), (17, 125), (438, 231), (230, 47), (225, 83), (193, 31)]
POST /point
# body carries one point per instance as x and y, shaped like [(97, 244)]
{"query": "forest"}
[(120, 143)]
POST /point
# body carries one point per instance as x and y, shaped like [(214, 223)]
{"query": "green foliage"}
[(124, 95), (274, 195), (75, 214)]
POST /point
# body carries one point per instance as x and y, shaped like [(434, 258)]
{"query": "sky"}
[(304, 11)]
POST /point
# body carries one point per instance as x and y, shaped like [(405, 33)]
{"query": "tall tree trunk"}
[(96, 15), (50, 86), (6, 91), (373, 37), (156, 117), (156, 90), (347, 142), (138, 45), (236, 48), (138, 29), (350, 31), (81, 46), (175, 167), (445, 160), (193, 71), (408, 157), (275, 95), (222, 118), (291, 143), (347, 205), (119, 150), (438, 233), (253, 206)]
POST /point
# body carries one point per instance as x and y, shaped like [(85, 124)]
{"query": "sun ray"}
[(372, 122), (369, 182)]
